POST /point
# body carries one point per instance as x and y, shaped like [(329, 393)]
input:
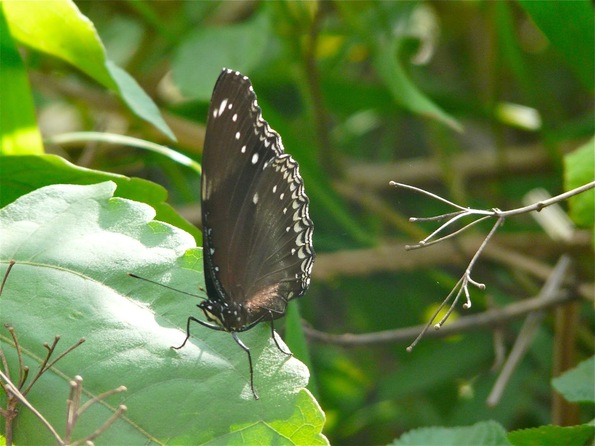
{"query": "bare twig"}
[(480, 321), (14, 391), (75, 410), (462, 285), (10, 265), (45, 366), (551, 287)]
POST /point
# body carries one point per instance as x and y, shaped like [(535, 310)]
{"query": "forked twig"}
[(45, 365), (75, 410), (439, 235), (15, 393)]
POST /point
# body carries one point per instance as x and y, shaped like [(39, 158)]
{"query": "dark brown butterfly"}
[(257, 233)]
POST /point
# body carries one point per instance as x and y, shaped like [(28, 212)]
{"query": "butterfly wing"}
[(256, 228)]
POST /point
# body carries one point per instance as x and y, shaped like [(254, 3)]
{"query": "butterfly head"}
[(230, 317)]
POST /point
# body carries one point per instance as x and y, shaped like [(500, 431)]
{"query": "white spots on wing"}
[(255, 198), (238, 135), (221, 108), (284, 211), (282, 196), (255, 158), (243, 149), (212, 251), (234, 118), (275, 189)]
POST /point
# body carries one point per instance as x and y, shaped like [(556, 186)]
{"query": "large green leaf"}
[(18, 124), (73, 246), (22, 174), (58, 28)]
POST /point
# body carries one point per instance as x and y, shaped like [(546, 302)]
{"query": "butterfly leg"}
[(190, 319), (277, 342), (247, 350)]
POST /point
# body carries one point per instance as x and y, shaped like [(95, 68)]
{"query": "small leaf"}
[(576, 385), (553, 436), (484, 433), (579, 169), (404, 91)]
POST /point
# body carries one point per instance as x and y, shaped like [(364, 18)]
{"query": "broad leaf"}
[(553, 436), (22, 174), (73, 246)]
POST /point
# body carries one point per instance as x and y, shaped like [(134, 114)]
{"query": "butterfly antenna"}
[(168, 287)]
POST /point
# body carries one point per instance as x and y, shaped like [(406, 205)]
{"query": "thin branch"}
[(480, 321), (105, 426), (45, 365), (425, 242), (10, 265), (17, 394), (545, 203), (551, 287), (75, 410)]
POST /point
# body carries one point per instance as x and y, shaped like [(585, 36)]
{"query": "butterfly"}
[(257, 231)]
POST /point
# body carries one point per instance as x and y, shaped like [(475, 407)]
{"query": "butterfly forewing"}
[(256, 228)]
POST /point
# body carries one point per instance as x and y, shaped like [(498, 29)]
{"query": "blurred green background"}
[(476, 101)]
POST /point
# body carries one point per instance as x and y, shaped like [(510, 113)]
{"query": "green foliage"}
[(59, 29), (23, 174), (573, 40), (244, 46), (484, 433), (19, 131), (553, 436), (73, 246), (477, 101), (576, 385), (579, 169)]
